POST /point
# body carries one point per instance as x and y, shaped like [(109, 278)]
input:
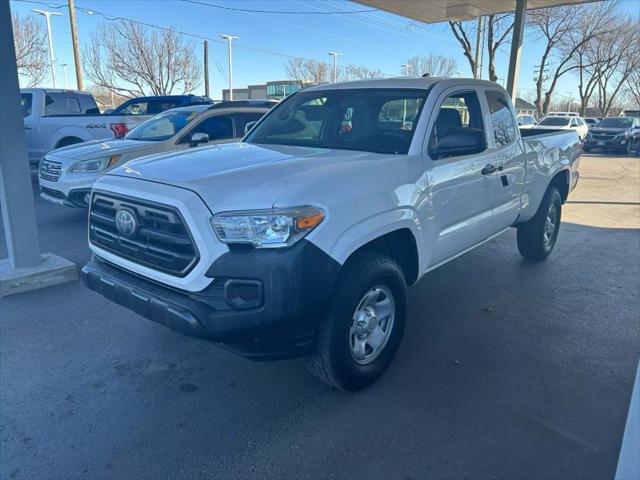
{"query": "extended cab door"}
[(506, 148), (461, 190)]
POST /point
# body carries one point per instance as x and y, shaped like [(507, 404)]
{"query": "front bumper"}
[(75, 198), (606, 144), (262, 304)]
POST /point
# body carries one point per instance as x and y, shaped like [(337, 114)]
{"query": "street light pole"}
[(64, 71), (229, 38), (335, 65), (406, 67), (48, 16)]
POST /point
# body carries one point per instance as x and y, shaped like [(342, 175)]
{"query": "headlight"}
[(97, 165), (267, 228), (621, 136)]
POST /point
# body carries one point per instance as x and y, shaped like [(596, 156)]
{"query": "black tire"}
[(332, 360), (532, 243)]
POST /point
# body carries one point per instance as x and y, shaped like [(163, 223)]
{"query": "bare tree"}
[(463, 32), (434, 65), (563, 31), (29, 38), (357, 72), (622, 48), (307, 70), (129, 59), (497, 31), (633, 87), (498, 28)]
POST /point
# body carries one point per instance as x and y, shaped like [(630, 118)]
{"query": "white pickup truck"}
[(55, 118), (301, 239)]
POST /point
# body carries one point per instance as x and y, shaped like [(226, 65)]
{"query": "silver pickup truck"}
[(55, 118), (301, 240)]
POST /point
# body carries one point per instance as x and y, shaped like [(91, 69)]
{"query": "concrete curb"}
[(53, 270)]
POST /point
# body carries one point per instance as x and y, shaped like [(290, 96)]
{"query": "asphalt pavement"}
[(507, 369)]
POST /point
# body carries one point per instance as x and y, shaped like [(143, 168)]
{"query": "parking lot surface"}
[(507, 369)]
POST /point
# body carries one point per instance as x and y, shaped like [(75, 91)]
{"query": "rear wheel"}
[(537, 237), (359, 337)]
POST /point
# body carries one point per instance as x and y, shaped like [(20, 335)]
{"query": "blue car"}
[(158, 104)]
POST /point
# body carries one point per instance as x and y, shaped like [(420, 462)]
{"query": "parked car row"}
[(55, 118), (67, 174), (611, 133)]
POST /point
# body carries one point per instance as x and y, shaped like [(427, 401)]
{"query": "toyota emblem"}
[(126, 222)]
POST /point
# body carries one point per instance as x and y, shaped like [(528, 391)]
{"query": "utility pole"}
[(74, 40), (478, 42), (229, 38), (64, 71), (335, 56), (406, 67), (48, 16), (206, 68)]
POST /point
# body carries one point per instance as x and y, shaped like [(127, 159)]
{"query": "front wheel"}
[(537, 237), (359, 337)]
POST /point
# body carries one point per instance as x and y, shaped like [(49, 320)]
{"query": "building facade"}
[(274, 90)]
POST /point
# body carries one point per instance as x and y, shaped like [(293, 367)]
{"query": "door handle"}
[(28, 127), (488, 169)]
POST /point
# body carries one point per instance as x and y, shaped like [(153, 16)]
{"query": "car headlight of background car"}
[(266, 228), (95, 165), (621, 137)]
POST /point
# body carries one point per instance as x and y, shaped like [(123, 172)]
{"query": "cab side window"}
[(458, 129), (218, 128), (504, 128)]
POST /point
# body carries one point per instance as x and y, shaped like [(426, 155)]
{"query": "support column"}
[(25, 269), (516, 48), (18, 213)]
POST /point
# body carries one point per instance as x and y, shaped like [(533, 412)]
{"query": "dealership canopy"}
[(434, 11)]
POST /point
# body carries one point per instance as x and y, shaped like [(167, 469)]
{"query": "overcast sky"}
[(377, 40)]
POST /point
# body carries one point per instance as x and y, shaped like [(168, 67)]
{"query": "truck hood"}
[(238, 176), (102, 148)]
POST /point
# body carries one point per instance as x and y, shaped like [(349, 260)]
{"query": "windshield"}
[(555, 121), (368, 120), (162, 126), (616, 123)]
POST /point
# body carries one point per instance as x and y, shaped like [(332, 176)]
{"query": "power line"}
[(247, 10), (195, 35)]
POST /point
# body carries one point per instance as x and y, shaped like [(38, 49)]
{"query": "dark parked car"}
[(613, 133), (158, 104)]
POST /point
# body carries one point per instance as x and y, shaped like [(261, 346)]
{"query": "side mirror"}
[(248, 126), (198, 138), (460, 141)]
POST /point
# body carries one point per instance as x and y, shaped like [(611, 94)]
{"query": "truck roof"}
[(402, 82)]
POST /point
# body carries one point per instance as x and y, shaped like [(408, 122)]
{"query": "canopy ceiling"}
[(433, 11)]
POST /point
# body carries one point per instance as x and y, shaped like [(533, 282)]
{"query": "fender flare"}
[(375, 226)]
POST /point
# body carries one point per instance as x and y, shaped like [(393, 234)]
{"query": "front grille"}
[(50, 170), (602, 136), (160, 239)]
